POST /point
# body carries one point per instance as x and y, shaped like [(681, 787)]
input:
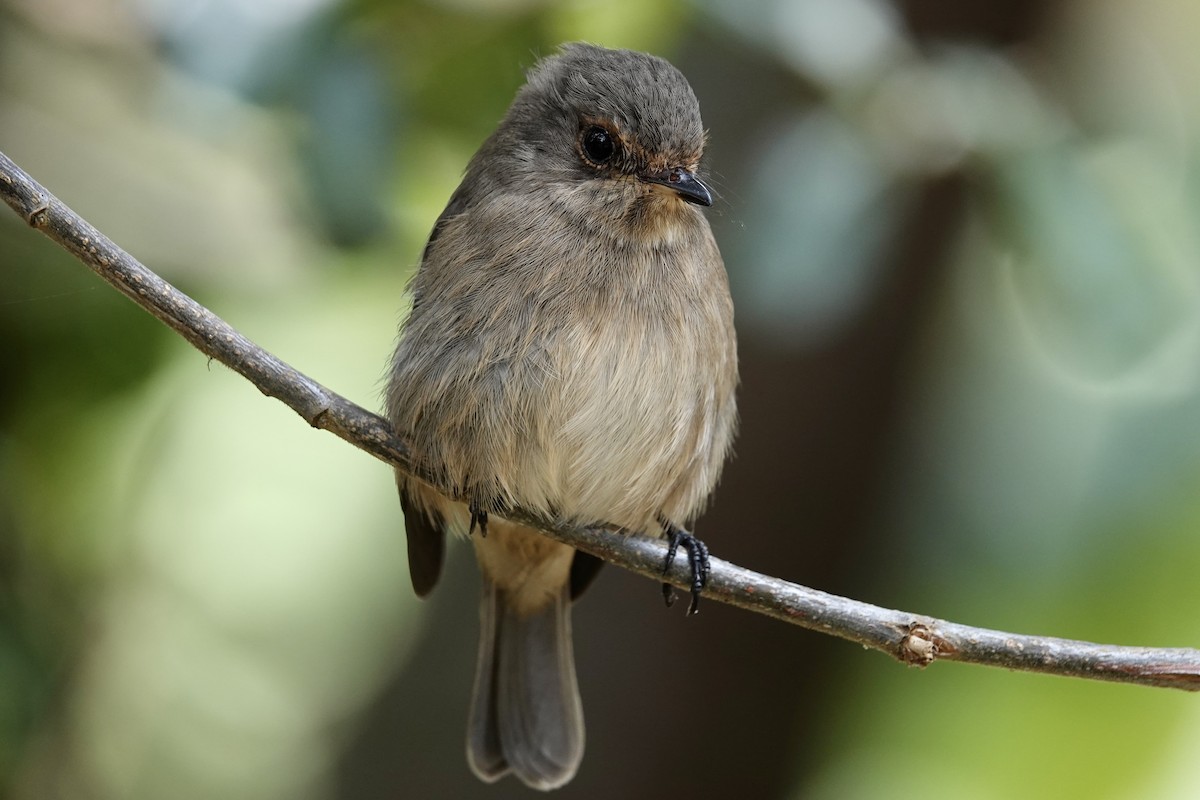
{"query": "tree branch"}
[(910, 638)]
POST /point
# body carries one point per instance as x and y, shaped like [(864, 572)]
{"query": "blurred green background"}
[(964, 249)]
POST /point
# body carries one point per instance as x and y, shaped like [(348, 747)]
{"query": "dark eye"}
[(598, 144)]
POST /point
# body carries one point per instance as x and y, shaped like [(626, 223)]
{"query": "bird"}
[(569, 352)]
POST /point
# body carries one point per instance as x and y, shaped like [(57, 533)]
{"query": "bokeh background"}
[(964, 249)]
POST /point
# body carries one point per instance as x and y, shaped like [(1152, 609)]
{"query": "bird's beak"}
[(684, 183)]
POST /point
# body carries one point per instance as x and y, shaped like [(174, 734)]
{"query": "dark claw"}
[(698, 562), (478, 517)]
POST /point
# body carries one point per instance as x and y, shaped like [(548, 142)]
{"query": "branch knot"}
[(922, 645)]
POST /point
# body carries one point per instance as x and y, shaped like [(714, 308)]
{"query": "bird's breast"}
[(642, 401), (582, 378)]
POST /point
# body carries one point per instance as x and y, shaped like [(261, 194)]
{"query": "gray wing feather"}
[(426, 546)]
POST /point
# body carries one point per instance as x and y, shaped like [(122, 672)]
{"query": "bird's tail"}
[(526, 716)]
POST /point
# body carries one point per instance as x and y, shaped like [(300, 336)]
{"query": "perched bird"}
[(570, 352)]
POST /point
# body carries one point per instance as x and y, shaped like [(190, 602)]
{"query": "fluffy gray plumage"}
[(570, 351)]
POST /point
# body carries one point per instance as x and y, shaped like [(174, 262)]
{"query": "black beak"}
[(684, 183)]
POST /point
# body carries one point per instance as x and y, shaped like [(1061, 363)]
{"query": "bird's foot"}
[(697, 556), (479, 517)]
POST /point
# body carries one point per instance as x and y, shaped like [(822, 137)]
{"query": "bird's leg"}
[(697, 556)]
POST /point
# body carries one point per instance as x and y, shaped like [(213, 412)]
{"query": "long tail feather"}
[(526, 716)]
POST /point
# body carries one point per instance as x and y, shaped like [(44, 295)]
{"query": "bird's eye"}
[(598, 144)]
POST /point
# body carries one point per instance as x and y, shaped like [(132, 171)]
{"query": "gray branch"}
[(910, 638)]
